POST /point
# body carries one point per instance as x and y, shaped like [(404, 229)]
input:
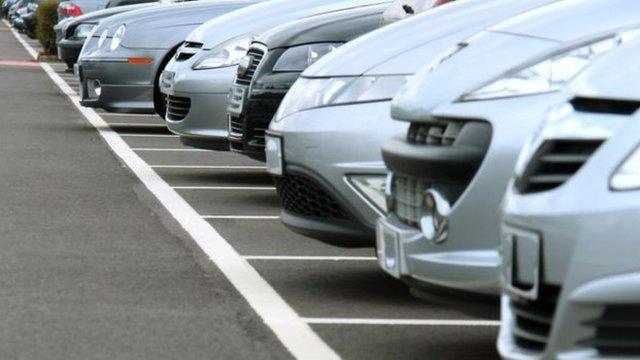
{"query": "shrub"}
[(47, 17)]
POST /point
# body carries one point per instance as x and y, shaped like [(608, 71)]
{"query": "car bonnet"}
[(333, 26), (400, 48), (505, 47), (261, 16)]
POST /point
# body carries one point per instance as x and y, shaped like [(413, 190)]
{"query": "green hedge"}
[(47, 17)]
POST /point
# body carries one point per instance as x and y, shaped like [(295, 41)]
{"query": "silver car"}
[(470, 113), (197, 81), (570, 248), (326, 155), (119, 66)]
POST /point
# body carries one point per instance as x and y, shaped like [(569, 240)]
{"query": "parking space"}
[(359, 311)]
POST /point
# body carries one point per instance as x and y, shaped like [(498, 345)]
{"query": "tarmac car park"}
[(120, 241)]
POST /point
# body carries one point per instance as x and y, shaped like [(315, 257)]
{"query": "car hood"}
[(394, 49), (259, 17), (567, 20), (601, 80), (339, 26), (475, 65), (144, 25), (100, 14)]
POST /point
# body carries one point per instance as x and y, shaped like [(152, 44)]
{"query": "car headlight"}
[(102, 38), (83, 30), (372, 187), (298, 58), (309, 93), (627, 177), (116, 40), (550, 74), (226, 54)]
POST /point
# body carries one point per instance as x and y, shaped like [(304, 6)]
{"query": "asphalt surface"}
[(91, 266)]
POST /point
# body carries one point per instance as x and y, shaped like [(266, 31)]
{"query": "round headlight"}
[(117, 38), (102, 38)]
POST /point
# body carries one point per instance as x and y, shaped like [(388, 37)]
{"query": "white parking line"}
[(310, 258), (234, 167), (169, 150), (149, 135), (402, 322), (126, 114), (248, 188), (135, 125), (294, 333), (242, 217)]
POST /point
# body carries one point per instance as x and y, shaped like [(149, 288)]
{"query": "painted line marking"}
[(294, 333), (149, 135), (135, 125), (125, 114), (20, 63), (164, 149), (242, 217), (261, 188), (236, 167), (402, 322), (310, 258)]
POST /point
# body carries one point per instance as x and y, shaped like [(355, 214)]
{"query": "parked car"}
[(470, 112), (75, 8), (570, 262), (198, 80), (119, 66), (274, 62), (71, 33), (325, 154), (29, 19)]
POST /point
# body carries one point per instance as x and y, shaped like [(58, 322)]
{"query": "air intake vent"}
[(301, 195), (408, 195), (437, 134), (554, 163), (533, 319), (617, 331), (605, 106), (177, 107)]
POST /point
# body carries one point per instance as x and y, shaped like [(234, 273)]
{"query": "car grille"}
[(533, 319), (617, 331), (177, 107), (554, 163), (408, 190), (438, 134), (256, 56), (187, 50), (301, 195), (408, 196)]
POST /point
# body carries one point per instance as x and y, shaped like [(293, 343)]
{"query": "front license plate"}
[(388, 243), (273, 152)]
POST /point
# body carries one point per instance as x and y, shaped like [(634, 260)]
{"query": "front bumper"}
[(125, 87), (588, 254), (335, 148), (69, 50), (205, 124), (468, 259)]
